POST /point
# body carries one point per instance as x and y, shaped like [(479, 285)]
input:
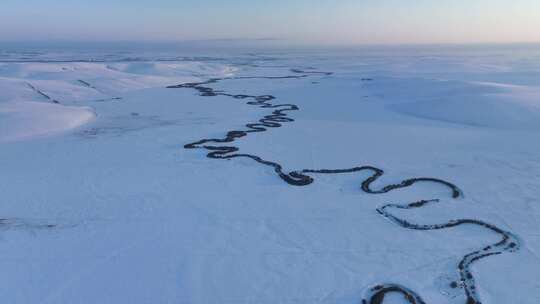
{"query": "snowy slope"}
[(116, 210), (47, 98)]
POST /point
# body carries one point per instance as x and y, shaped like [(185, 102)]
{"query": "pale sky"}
[(313, 21)]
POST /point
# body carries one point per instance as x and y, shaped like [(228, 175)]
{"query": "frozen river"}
[(333, 176)]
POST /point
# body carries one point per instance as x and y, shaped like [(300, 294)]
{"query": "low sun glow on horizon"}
[(301, 21)]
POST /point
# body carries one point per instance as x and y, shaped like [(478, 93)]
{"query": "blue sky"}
[(315, 21)]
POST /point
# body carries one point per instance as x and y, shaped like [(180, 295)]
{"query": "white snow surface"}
[(102, 204), (25, 120), (47, 98)]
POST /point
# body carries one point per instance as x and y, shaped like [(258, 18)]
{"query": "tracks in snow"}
[(221, 148)]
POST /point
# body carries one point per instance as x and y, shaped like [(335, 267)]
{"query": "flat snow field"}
[(103, 202)]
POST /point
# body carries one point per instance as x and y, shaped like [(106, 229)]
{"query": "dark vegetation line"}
[(86, 84), (220, 148), (7, 224), (49, 98), (89, 85)]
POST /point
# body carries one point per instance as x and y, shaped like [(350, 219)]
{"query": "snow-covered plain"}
[(101, 203)]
